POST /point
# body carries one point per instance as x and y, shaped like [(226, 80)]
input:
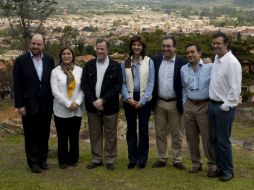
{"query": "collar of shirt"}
[(106, 60), (224, 57), (134, 62), (200, 63), (32, 56), (171, 60)]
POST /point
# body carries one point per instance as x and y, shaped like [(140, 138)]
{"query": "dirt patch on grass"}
[(8, 113)]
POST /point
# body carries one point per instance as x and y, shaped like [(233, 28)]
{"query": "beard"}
[(35, 52)]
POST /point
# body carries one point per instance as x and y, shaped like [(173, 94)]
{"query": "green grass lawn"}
[(14, 173), (6, 103)]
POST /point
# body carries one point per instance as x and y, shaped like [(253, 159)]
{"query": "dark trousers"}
[(220, 125), (68, 136), (36, 132), (138, 145)]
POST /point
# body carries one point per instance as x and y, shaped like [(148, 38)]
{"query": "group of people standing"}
[(185, 95)]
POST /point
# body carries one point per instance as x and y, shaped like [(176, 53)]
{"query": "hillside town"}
[(115, 25), (92, 26)]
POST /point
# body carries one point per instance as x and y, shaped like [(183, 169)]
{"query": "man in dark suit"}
[(101, 83), (34, 101), (167, 103)]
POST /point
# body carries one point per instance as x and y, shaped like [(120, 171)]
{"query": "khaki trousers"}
[(195, 122), (168, 121), (99, 126)]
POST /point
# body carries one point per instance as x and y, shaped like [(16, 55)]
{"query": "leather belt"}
[(167, 100), (216, 102), (198, 101)]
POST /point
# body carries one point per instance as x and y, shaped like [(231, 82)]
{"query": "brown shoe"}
[(159, 164), (111, 166), (93, 165), (196, 169), (179, 166)]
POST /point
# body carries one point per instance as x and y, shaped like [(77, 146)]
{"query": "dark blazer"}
[(29, 91), (177, 85), (111, 86)]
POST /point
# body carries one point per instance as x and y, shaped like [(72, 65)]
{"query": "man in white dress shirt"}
[(224, 93), (167, 103)]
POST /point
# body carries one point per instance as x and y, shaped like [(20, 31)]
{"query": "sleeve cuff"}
[(224, 107), (68, 104)]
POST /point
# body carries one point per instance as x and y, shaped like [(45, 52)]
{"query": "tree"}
[(6, 78), (26, 17)]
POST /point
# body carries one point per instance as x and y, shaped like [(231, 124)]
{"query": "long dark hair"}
[(139, 39)]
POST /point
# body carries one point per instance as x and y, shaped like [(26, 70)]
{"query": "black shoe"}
[(141, 165), (226, 177), (111, 167), (44, 166), (214, 174), (131, 165), (72, 164), (93, 165), (36, 169), (63, 166), (159, 164), (196, 169), (179, 166)]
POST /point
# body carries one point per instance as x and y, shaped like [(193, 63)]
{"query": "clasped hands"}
[(73, 107), (134, 103), (98, 104)]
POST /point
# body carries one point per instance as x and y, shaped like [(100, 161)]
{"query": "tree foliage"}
[(6, 78), (26, 17)]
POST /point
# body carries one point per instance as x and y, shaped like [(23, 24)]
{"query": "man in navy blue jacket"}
[(34, 101), (167, 103)]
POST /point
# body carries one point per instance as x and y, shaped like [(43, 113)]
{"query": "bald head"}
[(37, 44)]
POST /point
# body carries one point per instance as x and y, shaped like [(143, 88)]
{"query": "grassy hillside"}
[(14, 173)]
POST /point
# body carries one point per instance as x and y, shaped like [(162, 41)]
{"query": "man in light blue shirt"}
[(195, 80)]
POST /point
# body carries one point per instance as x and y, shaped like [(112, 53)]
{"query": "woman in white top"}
[(68, 107)]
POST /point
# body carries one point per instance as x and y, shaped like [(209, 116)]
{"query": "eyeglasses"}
[(167, 46), (217, 43)]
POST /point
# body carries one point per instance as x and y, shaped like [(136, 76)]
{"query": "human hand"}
[(73, 107), (22, 111), (138, 106), (98, 104), (132, 102)]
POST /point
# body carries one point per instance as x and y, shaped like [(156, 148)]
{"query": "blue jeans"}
[(220, 125)]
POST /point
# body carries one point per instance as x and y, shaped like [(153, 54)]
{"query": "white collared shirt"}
[(226, 77), (38, 65), (101, 69), (166, 79), (59, 90)]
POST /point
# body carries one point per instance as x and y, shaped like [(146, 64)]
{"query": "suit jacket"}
[(29, 91), (110, 89), (177, 84)]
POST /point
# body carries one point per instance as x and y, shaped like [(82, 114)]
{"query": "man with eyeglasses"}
[(195, 80), (224, 93), (167, 103)]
